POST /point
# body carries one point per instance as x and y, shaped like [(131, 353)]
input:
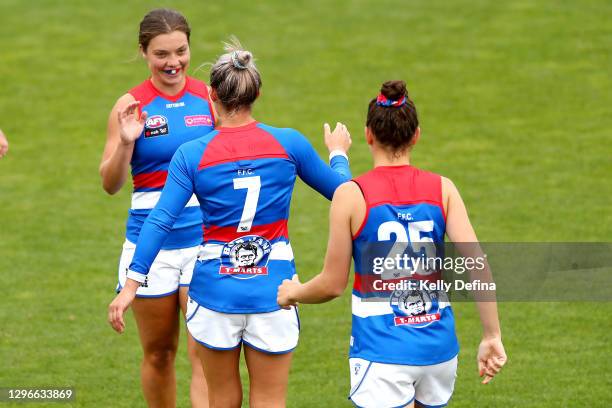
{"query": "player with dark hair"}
[(403, 348), (173, 109), (243, 174)]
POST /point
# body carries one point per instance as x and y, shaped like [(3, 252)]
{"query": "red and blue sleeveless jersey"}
[(171, 121), (395, 319), (243, 178)]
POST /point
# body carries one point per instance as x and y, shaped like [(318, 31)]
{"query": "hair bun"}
[(241, 59), (394, 90)]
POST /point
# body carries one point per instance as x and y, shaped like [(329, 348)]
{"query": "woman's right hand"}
[(120, 304), (339, 139), (286, 292), (130, 125)]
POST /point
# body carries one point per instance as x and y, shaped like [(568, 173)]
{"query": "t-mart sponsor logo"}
[(240, 270), (427, 318)]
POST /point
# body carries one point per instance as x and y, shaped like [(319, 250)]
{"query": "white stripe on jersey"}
[(281, 251), (367, 307), (146, 200)]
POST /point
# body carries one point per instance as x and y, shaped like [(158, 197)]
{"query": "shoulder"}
[(450, 193), (143, 90), (426, 175), (283, 132), (197, 87), (199, 144), (348, 192), (289, 138), (123, 100), (447, 186), (194, 149)]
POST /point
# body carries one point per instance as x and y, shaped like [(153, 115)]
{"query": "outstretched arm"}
[(175, 195), (331, 282), (491, 353), (313, 170)]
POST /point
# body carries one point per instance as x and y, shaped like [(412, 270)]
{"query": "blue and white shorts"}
[(378, 385), (170, 269), (274, 332)]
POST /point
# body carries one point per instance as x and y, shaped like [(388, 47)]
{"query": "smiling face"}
[(167, 56)]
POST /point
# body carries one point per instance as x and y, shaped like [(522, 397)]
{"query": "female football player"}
[(403, 348), (243, 175), (174, 108)]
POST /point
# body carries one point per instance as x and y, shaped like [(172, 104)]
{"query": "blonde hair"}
[(234, 77)]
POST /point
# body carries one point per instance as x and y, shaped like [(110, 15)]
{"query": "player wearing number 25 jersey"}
[(403, 347)]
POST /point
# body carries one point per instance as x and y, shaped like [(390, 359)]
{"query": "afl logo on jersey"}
[(245, 257), (156, 125), (417, 308)]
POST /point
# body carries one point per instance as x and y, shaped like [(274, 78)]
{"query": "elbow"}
[(335, 291), (110, 189), (109, 184)]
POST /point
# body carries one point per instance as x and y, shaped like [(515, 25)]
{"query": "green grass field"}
[(514, 100)]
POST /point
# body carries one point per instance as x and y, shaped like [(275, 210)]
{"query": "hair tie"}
[(382, 100), (235, 61)]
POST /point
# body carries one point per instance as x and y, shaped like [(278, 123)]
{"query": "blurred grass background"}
[(514, 101)]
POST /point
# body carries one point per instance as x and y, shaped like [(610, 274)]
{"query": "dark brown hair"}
[(235, 78), (161, 21), (393, 126)]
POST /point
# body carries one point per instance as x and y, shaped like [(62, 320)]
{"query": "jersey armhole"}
[(367, 213), (442, 201)]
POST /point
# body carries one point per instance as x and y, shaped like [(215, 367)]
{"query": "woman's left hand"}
[(491, 358), (120, 304), (339, 139)]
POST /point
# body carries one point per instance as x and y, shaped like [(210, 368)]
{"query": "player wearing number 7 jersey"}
[(243, 175), (403, 348)]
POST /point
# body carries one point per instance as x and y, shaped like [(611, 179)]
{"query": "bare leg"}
[(198, 390), (268, 374), (158, 326), (222, 372)]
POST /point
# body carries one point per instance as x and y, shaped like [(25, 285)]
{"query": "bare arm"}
[(491, 353), (115, 164), (4, 145), (332, 280)]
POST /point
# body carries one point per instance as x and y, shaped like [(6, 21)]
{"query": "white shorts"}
[(394, 385), (170, 269), (274, 332)]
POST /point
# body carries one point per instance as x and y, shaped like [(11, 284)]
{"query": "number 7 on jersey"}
[(252, 185)]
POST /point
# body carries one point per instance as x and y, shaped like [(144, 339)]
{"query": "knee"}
[(160, 358), (266, 403), (264, 400), (225, 402)]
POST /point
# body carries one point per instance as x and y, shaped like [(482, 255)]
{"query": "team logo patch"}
[(198, 120), (246, 257), (156, 125), (417, 308)]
